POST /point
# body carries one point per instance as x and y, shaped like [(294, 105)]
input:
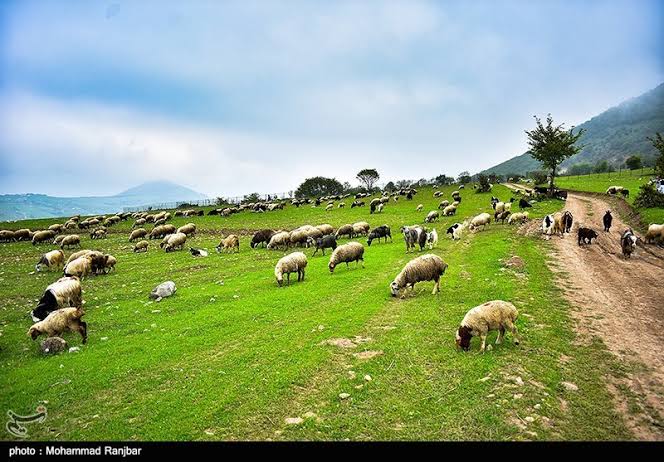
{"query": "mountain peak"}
[(163, 191)]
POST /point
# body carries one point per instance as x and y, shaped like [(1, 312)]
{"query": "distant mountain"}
[(22, 206), (613, 135)]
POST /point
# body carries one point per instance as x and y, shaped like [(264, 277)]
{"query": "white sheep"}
[(81, 267), (432, 239), (428, 267), (295, 262), (141, 246), (54, 259), (280, 239), (176, 241), (361, 228), (346, 253), (449, 210), (518, 217), (482, 220), (432, 216), (188, 229), (655, 233), (493, 315), (419, 207)]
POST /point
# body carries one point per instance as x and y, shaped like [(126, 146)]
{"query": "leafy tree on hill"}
[(443, 180), (253, 197), (580, 169), (658, 143), (319, 186), (633, 162), (464, 177), (551, 144), (368, 177), (390, 186), (484, 183)]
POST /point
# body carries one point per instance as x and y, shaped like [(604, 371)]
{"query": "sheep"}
[(198, 252), (519, 217), (326, 242), (614, 189), (325, 229), (72, 240), (655, 233), (99, 233), (163, 290), (443, 204), (80, 267), (346, 253), (361, 228), (607, 219), (176, 241), (81, 253), (420, 207), (357, 204), (7, 236), (158, 232), (378, 233), (501, 216), (229, 243), (50, 260), (414, 235), (109, 265), (188, 229), (426, 267), (22, 234), (547, 224), (329, 207), (280, 239), (432, 216), (449, 210), (380, 208), (56, 228), (298, 237), (63, 293), (482, 220), (558, 226), (586, 235), (625, 193), (567, 220), (455, 231), (628, 243), (138, 234), (499, 207), (524, 203), (42, 236), (396, 198), (59, 321), (141, 246), (341, 205), (295, 262), (345, 230), (432, 239), (261, 237), (479, 321)]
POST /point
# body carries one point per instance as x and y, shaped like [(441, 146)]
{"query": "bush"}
[(649, 197), (484, 184)]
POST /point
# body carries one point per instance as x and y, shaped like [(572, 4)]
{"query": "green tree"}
[(319, 186), (253, 197), (464, 177), (658, 143), (390, 186), (551, 144), (601, 167), (580, 169), (633, 162), (368, 177), (484, 183)]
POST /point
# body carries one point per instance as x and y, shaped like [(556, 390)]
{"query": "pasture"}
[(232, 356)]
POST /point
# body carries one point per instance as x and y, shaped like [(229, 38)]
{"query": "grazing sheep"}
[(81, 267), (479, 321), (325, 229), (139, 222), (56, 228), (50, 260), (501, 216), (378, 233), (432, 239), (63, 293), (443, 204), (188, 229), (280, 239), (53, 345), (518, 217), (607, 219), (341, 205), (59, 321), (420, 207), (176, 241), (614, 189), (449, 210), (295, 262), (482, 220), (22, 234), (229, 244), (99, 233), (137, 234), (141, 246), (432, 216), (42, 236), (328, 208), (7, 236), (413, 235), (655, 233), (456, 230), (361, 228), (567, 220), (346, 253), (586, 235), (498, 207), (628, 243), (345, 230), (261, 237), (426, 267), (326, 242), (109, 263), (158, 232), (58, 239), (624, 192), (72, 240)]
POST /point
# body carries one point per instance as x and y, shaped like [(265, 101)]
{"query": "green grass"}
[(600, 182), (231, 355)]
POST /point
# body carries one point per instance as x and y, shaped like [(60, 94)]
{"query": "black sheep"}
[(379, 232), (261, 237), (524, 203), (586, 235), (608, 219), (325, 242)]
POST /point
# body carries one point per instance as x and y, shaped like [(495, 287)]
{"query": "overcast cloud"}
[(233, 97)]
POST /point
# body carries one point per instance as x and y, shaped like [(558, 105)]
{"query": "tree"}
[(551, 144), (601, 167), (253, 197), (484, 183), (319, 186), (368, 177), (389, 187), (402, 184), (538, 176), (580, 169), (658, 143), (464, 177), (443, 180), (633, 162)]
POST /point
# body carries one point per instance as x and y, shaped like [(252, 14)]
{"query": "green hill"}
[(613, 135)]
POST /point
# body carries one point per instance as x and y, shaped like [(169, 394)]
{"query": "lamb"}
[(176, 241), (50, 260), (482, 220), (519, 217), (327, 209), (42, 236), (325, 229), (455, 230), (280, 239), (59, 321), (586, 235), (449, 210), (229, 243), (501, 216), (432, 216), (628, 243), (63, 293), (353, 251), (198, 252), (80, 267), (607, 219), (99, 233), (261, 237), (326, 242), (432, 239), (345, 230), (655, 233), (141, 246), (295, 262), (138, 234), (361, 228), (72, 240), (420, 207), (494, 315), (426, 267), (378, 233), (188, 229)]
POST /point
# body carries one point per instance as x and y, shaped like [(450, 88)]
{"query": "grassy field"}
[(232, 356), (600, 182)]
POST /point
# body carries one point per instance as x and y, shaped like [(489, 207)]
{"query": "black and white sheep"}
[(426, 267), (64, 292), (479, 321), (55, 259), (628, 243)]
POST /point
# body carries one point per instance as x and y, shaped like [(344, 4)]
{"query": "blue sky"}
[(233, 97)]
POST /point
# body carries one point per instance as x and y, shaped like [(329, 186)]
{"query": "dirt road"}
[(621, 301)]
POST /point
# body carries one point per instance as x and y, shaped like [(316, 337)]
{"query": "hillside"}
[(613, 135), (22, 206)]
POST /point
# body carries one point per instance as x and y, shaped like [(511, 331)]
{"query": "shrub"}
[(649, 197)]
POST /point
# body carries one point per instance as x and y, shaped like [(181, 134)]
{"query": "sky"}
[(231, 97)]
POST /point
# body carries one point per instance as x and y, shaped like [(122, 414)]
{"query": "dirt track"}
[(621, 301)]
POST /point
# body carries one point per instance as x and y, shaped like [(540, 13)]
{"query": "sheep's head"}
[(34, 333), (463, 337), (331, 265), (394, 288)]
